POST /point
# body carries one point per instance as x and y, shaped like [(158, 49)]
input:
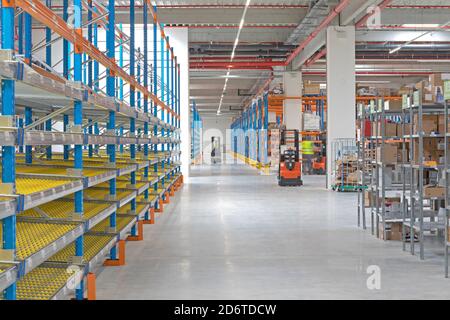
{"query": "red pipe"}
[(333, 14), (373, 73), (200, 67), (417, 7), (320, 54), (227, 60), (235, 65)]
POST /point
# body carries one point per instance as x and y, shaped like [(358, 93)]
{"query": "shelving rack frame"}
[(145, 120), (249, 133), (376, 115), (414, 197)]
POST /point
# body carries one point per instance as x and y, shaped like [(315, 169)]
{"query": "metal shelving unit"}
[(374, 167), (447, 184), (420, 213), (120, 132)]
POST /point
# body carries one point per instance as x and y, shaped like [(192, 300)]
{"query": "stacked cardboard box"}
[(393, 231), (393, 105), (310, 88), (430, 124), (274, 147), (347, 172), (391, 154), (311, 122), (433, 150), (432, 89), (432, 191)]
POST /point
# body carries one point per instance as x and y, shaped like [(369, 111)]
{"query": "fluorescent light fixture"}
[(241, 25), (233, 53), (395, 50), (420, 25), (417, 38), (374, 81)]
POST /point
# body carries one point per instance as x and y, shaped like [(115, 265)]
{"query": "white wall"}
[(216, 126)]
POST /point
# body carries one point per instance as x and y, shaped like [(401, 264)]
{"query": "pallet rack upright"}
[(83, 204)]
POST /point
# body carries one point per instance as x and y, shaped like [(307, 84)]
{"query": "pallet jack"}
[(290, 168)]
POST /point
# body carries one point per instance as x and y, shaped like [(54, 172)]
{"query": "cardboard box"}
[(435, 80), (431, 151), (427, 93), (390, 154), (441, 124), (429, 124), (433, 191), (407, 129), (393, 231), (390, 129), (393, 105), (368, 198), (311, 88)]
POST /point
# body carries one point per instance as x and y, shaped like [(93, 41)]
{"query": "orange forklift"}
[(290, 168)]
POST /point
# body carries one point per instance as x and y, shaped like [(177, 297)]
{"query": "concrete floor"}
[(233, 234)]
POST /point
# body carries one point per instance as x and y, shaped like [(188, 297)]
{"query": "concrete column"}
[(292, 107), (341, 93)]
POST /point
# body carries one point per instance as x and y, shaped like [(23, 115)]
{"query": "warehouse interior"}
[(224, 150)]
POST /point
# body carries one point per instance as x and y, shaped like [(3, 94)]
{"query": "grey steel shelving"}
[(447, 184), (420, 213), (373, 172)]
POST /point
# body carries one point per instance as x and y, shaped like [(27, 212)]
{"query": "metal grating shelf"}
[(122, 196), (92, 245), (37, 241), (123, 225), (44, 283), (63, 209)]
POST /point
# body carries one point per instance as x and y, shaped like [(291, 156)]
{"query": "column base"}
[(91, 286), (140, 235), (152, 217), (160, 206), (121, 260)]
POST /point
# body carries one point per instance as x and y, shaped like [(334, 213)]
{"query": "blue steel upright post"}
[(266, 127), (78, 122), (163, 98), (168, 98), (66, 59), (132, 102), (179, 109), (146, 129), (48, 61), (8, 152), (110, 91), (28, 111), (155, 92)]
